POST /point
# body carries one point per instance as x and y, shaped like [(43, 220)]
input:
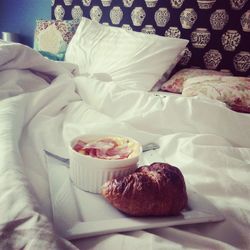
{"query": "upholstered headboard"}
[(218, 30)]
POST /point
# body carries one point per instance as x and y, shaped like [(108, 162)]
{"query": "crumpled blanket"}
[(44, 104)]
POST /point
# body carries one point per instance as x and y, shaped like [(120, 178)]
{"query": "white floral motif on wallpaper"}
[(128, 3), (173, 32), (86, 2), (148, 29), (219, 19), (76, 13), (68, 2), (206, 4), (238, 4), (188, 17), (151, 3), (106, 3), (138, 15), (230, 40), (200, 37), (162, 17), (212, 59), (116, 15), (96, 13), (245, 21), (59, 12), (177, 3), (242, 61)]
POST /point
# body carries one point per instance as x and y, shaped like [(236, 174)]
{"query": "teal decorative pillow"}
[(52, 37)]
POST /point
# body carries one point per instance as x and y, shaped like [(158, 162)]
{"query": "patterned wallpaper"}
[(218, 30)]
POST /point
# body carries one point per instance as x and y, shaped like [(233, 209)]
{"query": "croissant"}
[(155, 190)]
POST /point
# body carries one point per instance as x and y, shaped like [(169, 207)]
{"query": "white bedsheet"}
[(206, 140)]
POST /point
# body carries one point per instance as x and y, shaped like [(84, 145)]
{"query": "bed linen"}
[(44, 104), (133, 60)]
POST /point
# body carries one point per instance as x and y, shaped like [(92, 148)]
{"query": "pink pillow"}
[(175, 83), (232, 90)]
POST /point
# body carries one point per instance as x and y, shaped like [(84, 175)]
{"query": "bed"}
[(45, 103)]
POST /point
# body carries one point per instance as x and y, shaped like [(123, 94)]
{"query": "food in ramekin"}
[(108, 147), (95, 159)]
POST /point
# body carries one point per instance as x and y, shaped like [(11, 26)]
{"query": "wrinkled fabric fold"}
[(206, 140)]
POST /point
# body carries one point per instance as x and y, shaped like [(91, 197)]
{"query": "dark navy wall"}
[(19, 16)]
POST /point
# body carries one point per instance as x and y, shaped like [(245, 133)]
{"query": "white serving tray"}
[(79, 214)]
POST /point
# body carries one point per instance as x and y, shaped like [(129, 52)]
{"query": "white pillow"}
[(132, 59)]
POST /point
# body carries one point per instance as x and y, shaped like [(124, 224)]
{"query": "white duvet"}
[(44, 104)]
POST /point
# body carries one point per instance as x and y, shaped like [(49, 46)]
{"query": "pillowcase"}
[(132, 59), (52, 37), (232, 90), (175, 83)]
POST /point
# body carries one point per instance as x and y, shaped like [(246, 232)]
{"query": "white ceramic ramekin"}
[(90, 173)]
